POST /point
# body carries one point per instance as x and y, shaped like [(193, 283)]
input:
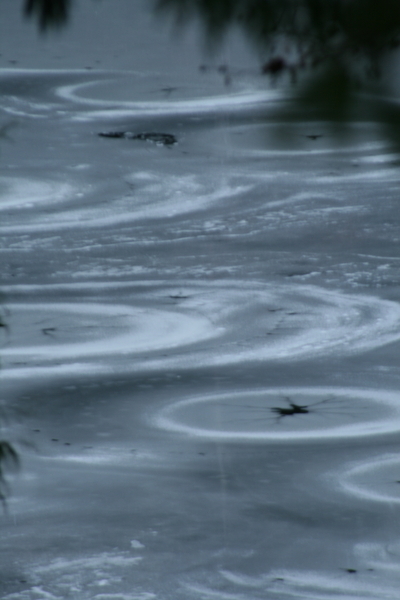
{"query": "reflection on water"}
[(331, 49), (200, 332), (311, 31), (8, 460), (344, 45), (48, 13)]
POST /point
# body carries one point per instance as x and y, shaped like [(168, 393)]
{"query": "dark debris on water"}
[(162, 139)]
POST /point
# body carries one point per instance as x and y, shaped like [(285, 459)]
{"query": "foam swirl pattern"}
[(203, 336)]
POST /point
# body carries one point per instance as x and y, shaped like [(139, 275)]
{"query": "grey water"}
[(200, 362)]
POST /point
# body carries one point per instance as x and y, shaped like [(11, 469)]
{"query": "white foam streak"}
[(383, 557), (311, 585), (138, 596), (202, 591), (92, 562), (20, 193), (384, 175), (375, 479), (158, 197), (119, 108)]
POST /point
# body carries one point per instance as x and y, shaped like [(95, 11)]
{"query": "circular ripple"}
[(377, 479), (285, 414), (65, 331)]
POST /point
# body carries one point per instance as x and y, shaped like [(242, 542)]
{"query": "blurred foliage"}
[(303, 32), (48, 13), (333, 50)]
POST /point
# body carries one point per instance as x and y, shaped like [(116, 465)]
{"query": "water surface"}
[(202, 337)]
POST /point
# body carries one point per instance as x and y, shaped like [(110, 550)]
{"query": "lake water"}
[(201, 360)]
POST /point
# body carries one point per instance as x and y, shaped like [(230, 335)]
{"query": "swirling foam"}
[(98, 576), (96, 330), (275, 322), (252, 322), (155, 196)]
